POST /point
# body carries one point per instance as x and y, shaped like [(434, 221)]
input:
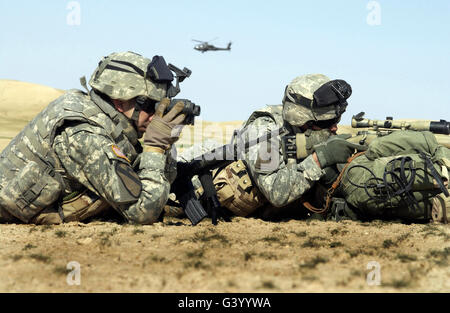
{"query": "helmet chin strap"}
[(296, 129), (135, 115)]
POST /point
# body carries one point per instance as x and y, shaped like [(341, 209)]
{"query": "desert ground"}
[(244, 255)]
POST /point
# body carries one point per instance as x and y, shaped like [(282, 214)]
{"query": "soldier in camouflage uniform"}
[(81, 154), (274, 174)]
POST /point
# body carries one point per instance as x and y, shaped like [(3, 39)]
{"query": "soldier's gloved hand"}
[(306, 141), (164, 130), (336, 150)]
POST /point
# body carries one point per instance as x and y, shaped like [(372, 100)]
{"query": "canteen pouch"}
[(235, 190), (29, 192)]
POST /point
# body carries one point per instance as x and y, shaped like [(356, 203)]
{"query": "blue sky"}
[(398, 67)]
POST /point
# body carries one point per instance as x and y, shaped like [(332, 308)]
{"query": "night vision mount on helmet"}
[(128, 75)]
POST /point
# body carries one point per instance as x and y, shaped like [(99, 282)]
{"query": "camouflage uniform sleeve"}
[(280, 182), (86, 153)]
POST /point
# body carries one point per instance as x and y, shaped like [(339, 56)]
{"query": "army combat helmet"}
[(314, 98), (126, 75)]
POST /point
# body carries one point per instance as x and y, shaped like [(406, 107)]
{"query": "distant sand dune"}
[(19, 103), (22, 101)]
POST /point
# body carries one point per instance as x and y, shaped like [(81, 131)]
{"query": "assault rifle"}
[(203, 167), (376, 128), (185, 191)]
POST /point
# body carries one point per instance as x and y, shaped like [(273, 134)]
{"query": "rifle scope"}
[(437, 127)]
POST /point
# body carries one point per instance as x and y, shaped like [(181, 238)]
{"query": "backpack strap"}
[(332, 189)]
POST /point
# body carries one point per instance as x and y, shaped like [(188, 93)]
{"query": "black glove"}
[(336, 150)]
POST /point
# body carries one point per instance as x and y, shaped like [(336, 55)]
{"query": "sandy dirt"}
[(244, 255)]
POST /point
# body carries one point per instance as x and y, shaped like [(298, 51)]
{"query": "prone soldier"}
[(297, 162), (273, 172), (81, 155)]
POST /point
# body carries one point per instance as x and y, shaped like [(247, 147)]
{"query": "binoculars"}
[(189, 108)]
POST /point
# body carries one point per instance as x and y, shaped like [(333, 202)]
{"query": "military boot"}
[(440, 211)]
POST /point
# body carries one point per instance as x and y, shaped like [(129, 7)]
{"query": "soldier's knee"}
[(145, 218), (278, 201)]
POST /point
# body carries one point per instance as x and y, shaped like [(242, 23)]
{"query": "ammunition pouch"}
[(48, 216), (76, 207), (30, 191), (236, 191)]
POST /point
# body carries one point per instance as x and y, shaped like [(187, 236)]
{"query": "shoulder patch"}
[(119, 153), (131, 182)]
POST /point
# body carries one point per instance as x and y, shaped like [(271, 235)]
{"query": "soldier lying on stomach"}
[(81, 154)]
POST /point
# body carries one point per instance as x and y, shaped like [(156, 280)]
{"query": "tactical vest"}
[(274, 112), (31, 176), (235, 188)]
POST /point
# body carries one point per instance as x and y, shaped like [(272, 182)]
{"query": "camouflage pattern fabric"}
[(126, 83), (87, 140), (98, 172), (29, 192), (305, 86), (280, 182)]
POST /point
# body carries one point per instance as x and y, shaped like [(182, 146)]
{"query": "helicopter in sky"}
[(206, 46)]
